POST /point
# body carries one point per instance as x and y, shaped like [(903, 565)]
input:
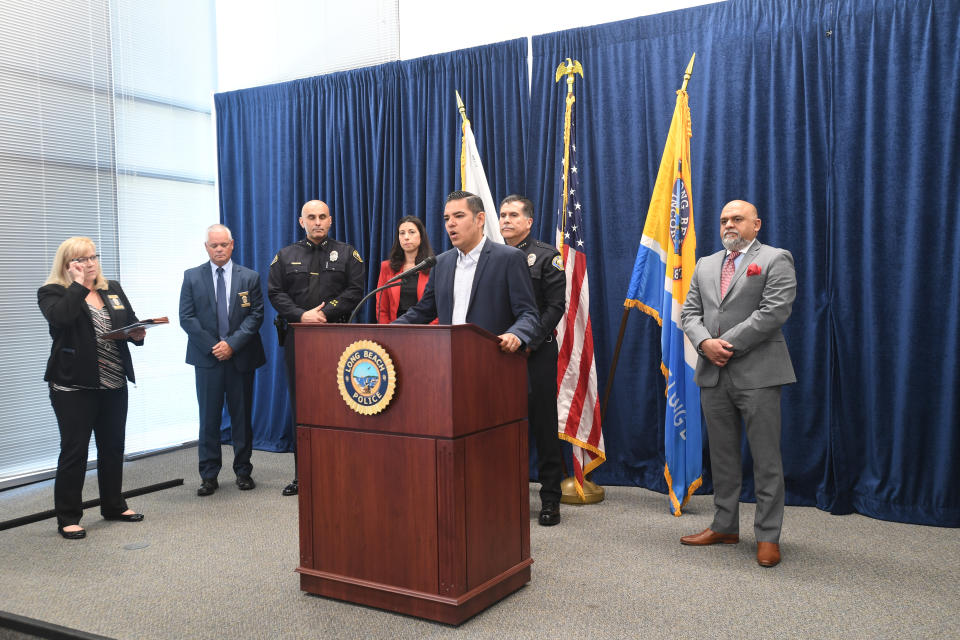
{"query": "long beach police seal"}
[(366, 377)]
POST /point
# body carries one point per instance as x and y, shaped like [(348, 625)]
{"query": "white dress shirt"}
[(463, 281)]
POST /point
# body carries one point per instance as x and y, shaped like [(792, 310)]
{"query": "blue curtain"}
[(838, 120), (376, 144)]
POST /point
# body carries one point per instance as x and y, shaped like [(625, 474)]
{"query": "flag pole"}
[(592, 493), (462, 109), (463, 149), (626, 309), (569, 69)]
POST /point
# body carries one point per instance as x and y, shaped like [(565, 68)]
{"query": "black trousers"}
[(215, 383), (102, 412), (542, 376), (289, 354)]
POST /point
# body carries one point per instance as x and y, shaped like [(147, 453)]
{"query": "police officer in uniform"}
[(318, 279), (549, 285)]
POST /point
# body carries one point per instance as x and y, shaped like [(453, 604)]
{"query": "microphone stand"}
[(396, 281), (393, 282)]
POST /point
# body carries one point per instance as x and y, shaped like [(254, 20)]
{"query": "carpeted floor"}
[(222, 567)]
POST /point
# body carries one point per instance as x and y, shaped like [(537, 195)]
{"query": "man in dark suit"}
[(478, 281), (550, 286), (739, 299), (221, 309)]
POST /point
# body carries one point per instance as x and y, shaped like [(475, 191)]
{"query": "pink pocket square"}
[(753, 269)]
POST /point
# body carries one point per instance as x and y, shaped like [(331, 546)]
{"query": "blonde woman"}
[(88, 377)]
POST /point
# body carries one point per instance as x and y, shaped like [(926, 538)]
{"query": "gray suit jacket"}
[(749, 317)]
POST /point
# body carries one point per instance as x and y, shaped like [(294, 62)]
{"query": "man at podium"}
[(478, 281)]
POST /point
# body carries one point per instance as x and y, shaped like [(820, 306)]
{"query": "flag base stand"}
[(592, 492)]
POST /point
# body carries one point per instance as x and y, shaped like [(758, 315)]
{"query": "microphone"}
[(394, 281), (417, 268)]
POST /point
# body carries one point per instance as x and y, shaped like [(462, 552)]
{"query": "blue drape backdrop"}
[(836, 118), (375, 144)]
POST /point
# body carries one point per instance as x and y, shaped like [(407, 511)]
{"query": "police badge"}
[(366, 377)]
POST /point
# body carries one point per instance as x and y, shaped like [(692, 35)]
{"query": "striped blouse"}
[(112, 374)]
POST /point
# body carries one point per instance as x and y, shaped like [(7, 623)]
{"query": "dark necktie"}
[(223, 323), (726, 274)]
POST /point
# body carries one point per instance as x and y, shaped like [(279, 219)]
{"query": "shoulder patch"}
[(356, 255), (557, 262), (275, 258)]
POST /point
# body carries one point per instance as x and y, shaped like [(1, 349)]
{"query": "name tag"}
[(244, 298), (115, 301)]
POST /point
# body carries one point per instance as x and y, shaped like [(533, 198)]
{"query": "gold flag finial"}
[(462, 109), (569, 68), (688, 72)]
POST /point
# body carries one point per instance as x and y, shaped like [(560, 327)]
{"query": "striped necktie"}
[(726, 274)]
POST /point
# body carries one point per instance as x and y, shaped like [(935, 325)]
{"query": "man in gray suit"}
[(739, 299)]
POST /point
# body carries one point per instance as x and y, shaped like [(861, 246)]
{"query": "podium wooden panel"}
[(423, 508)]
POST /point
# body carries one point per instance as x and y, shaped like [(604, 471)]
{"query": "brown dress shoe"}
[(707, 536), (768, 554)]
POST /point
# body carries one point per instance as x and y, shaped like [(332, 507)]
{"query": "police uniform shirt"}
[(302, 275), (549, 285)]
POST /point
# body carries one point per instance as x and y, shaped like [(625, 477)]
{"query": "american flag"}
[(578, 404)]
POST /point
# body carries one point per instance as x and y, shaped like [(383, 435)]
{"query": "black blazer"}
[(73, 358)]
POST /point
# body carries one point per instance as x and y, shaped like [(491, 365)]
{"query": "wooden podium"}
[(424, 507)]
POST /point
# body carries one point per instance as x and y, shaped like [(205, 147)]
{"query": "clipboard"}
[(124, 332)]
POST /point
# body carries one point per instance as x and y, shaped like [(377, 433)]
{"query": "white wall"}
[(435, 26), (264, 42)]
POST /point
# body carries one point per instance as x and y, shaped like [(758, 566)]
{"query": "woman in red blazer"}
[(410, 246)]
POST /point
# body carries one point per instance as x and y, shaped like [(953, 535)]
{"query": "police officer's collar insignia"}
[(366, 377), (531, 259), (334, 255), (356, 254), (557, 262), (525, 243)]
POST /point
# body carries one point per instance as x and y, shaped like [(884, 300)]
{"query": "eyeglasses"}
[(86, 259)]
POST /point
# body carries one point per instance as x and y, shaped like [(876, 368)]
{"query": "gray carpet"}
[(222, 567)]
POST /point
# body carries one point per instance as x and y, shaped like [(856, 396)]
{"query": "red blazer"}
[(388, 300)]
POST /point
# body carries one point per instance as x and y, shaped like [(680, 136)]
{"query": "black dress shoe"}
[(72, 535), (549, 514), (291, 489), (126, 517), (207, 487), (245, 483)]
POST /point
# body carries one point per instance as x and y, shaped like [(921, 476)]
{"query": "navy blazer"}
[(501, 299), (73, 356), (198, 317)]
